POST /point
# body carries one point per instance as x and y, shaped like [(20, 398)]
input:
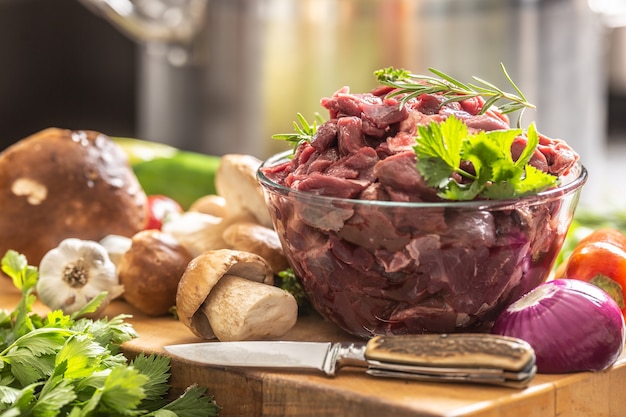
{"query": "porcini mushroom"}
[(150, 271), (212, 204), (59, 184), (236, 181), (201, 232), (229, 295), (255, 238)]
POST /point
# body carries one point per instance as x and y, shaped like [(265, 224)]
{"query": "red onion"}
[(572, 325)]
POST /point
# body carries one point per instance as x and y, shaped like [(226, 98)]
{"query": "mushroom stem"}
[(240, 309)]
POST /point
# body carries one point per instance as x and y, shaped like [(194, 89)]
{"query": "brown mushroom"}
[(60, 183), (150, 271), (229, 295), (236, 181), (212, 204), (264, 241), (200, 232)]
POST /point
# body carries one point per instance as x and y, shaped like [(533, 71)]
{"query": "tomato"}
[(600, 258), (161, 207)]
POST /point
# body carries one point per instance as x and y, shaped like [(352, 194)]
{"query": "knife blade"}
[(462, 357)]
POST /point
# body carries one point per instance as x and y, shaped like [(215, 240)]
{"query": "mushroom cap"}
[(236, 181), (59, 183), (201, 275), (255, 238), (150, 271), (212, 204)]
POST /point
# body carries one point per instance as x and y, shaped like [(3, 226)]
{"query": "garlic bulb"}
[(74, 273)]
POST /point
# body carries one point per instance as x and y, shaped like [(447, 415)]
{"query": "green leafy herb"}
[(483, 162), (60, 365), (303, 131), (288, 281), (413, 85)]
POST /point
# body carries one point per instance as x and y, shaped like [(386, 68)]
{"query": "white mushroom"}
[(229, 295)]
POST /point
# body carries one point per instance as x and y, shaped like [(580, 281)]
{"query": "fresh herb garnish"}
[(453, 90), (303, 131), (288, 281), (61, 365), (444, 150)]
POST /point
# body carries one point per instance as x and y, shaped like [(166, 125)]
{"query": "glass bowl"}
[(381, 267)]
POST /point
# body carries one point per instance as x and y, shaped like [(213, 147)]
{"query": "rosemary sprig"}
[(303, 130), (414, 85)]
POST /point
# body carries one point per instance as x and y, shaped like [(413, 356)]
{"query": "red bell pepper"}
[(160, 207)]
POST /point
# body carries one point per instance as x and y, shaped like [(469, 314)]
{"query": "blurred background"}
[(222, 76)]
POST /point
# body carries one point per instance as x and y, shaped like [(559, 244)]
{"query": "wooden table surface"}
[(252, 393)]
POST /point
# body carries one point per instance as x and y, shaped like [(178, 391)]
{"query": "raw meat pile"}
[(377, 269)]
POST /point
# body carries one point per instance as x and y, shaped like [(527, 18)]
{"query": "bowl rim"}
[(573, 181)]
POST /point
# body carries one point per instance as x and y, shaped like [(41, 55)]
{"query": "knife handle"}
[(458, 350)]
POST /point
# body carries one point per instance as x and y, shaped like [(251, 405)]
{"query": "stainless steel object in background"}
[(222, 76)]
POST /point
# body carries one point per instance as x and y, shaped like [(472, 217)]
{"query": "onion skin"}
[(572, 325)]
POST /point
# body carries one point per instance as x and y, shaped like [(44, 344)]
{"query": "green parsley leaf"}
[(156, 368), (463, 166), (64, 365), (439, 151), (193, 401), (56, 394), (16, 267), (123, 390)]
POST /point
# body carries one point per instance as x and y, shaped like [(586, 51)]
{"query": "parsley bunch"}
[(62, 365), (443, 149)]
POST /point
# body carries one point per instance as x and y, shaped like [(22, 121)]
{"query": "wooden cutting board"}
[(252, 393)]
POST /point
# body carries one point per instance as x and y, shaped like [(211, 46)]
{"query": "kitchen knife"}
[(463, 357)]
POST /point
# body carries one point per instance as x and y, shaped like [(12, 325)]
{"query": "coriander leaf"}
[(110, 333), (123, 390), (82, 356), (288, 281), (156, 368), (46, 340), (499, 191), (73, 367), (8, 395), (91, 306), (463, 166), (534, 181), (56, 394), (438, 150), (461, 192), (24, 398), (15, 265), (24, 277), (490, 155), (193, 403), (531, 145)]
